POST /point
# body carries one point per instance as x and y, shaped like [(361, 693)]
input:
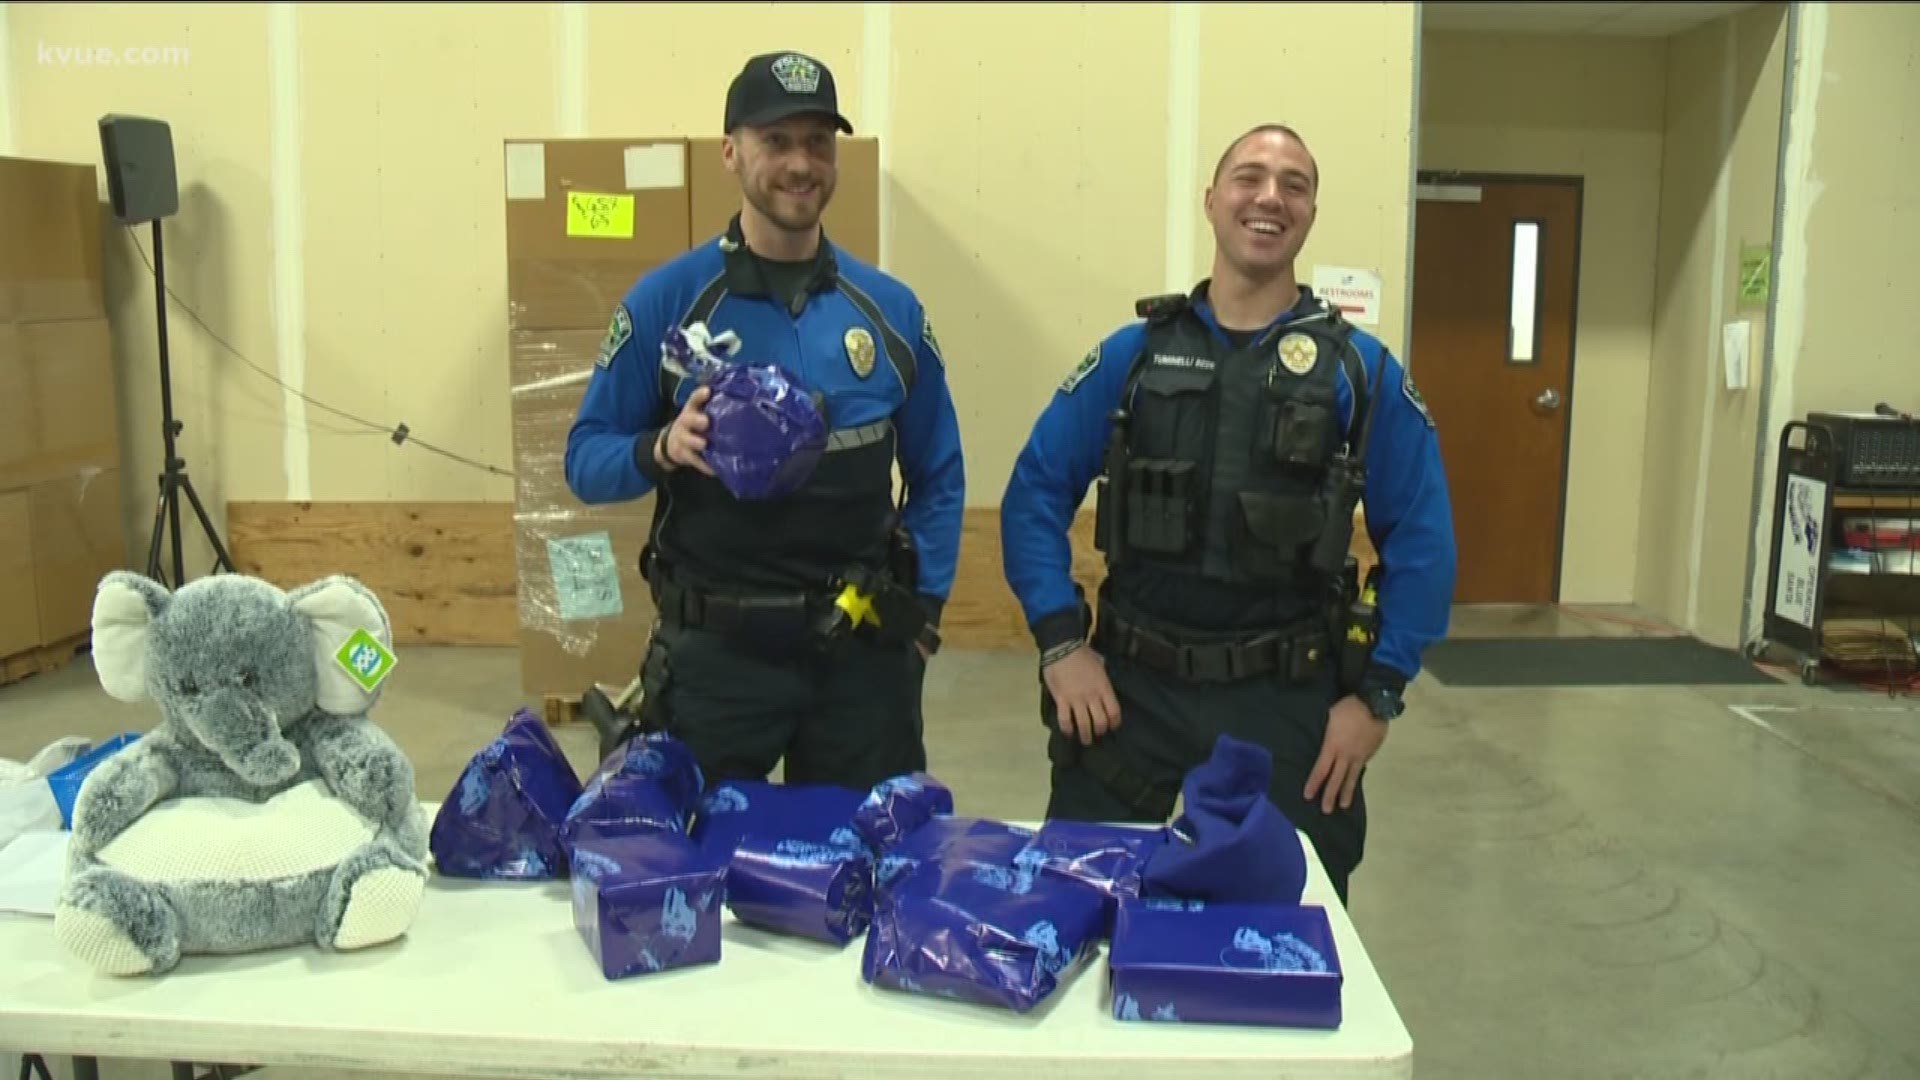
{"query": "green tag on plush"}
[(366, 660)]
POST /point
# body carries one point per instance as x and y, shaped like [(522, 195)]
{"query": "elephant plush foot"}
[(118, 925), (372, 900)]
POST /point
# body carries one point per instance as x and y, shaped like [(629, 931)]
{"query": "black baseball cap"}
[(773, 86)]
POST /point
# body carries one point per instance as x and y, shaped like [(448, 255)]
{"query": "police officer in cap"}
[(795, 627), (1229, 434)]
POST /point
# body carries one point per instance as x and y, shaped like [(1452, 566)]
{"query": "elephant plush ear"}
[(124, 607), (352, 643)]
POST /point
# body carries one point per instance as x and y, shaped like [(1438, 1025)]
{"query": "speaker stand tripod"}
[(173, 476)]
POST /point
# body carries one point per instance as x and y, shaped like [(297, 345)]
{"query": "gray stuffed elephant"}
[(265, 809)]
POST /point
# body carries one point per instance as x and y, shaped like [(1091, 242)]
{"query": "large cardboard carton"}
[(586, 219), (60, 484)]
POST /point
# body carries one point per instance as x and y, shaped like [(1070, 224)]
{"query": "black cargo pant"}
[(847, 712), (1169, 725)]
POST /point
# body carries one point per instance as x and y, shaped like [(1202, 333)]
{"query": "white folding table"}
[(492, 980)]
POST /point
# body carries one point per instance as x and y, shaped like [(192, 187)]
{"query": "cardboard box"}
[(57, 401), (20, 615), (60, 481), (50, 264), (586, 218)]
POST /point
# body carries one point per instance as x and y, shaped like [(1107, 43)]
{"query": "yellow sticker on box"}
[(599, 215)]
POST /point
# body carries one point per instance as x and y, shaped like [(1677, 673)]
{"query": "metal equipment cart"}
[(1815, 492)]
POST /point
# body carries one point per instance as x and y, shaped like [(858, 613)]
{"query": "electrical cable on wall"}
[(399, 433)]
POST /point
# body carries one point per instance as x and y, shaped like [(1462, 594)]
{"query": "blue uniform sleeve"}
[(1061, 458), (934, 469), (1409, 517), (610, 446)]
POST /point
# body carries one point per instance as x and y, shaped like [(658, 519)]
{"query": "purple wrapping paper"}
[(898, 806), (991, 935), (502, 819), (798, 887), (650, 784), (1105, 858), (1271, 965), (734, 810), (648, 902), (766, 435), (998, 851), (797, 865)]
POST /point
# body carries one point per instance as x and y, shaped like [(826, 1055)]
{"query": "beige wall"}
[(1726, 81), (1587, 107), (1858, 343), (341, 192), (1850, 222)]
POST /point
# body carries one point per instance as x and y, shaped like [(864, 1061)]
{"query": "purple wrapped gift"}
[(1105, 858), (803, 888), (651, 783), (648, 902), (971, 931), (897, 806), (734, 810), (503, 817), (765, 435), (1271, 965), (993, 848)]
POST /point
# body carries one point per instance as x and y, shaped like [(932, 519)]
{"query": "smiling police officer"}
[(756, 655), (1231, 432)]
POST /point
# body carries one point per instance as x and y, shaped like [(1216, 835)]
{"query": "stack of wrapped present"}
[(1204, 916)]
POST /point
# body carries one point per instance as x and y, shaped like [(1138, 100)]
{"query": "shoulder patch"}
[(1413, 396), (1081, 370), (619, 332), (933, 343)]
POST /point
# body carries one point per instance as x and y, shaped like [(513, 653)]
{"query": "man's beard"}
[(770, 204)]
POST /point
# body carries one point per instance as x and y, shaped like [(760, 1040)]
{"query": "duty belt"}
[(696, 610), (1298, 653)]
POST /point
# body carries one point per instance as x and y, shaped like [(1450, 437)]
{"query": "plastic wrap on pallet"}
[(584, 609)]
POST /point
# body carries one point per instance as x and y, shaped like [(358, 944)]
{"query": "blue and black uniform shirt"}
[(1409, 515), (852, 334)]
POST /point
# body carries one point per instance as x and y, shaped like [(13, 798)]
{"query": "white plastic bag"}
[(26, 802)]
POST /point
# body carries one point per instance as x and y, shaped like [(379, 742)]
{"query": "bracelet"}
[(1060, 652)]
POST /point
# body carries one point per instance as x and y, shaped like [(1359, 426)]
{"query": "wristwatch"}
[(1383, 702)]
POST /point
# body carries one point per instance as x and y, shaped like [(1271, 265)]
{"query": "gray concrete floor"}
[(1657, 882)]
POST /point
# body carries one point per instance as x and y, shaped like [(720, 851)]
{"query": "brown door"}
[(1492, 349)]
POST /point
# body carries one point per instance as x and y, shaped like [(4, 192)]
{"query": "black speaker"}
[(140, 176)]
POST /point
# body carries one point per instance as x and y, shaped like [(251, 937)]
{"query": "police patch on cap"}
[(1298, 353), (618, 332), (860, 351), (797, 74), (1081, 370)]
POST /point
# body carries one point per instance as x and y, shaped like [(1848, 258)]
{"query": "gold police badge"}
[(860, 351), (1298, 353)]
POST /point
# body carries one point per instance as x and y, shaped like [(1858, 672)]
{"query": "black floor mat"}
[(1589, 661)]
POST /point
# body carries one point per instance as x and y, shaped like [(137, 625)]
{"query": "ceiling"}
[(1616, 20)]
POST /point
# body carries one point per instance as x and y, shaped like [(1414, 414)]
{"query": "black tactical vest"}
[(1217, 481)]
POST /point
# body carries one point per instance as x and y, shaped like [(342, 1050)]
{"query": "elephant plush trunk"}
[(246, 735)]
